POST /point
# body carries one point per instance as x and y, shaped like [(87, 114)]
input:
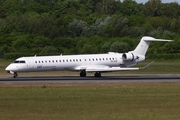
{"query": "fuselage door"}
[(30, 63)]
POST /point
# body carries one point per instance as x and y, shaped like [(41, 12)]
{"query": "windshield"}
[(19, 61)]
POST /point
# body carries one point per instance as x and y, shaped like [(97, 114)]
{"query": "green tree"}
[(48, 50), (23, 44), (106, 47), (117, 27), (106, 7), (77, 28), (98, 27), (120, 47), (89, 49), (171, 10), (12, 6), (152, 8), (129, 7), (2, 12), (172, 47)]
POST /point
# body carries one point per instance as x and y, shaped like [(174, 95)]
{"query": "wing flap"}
[(110, 69), (102, 68)]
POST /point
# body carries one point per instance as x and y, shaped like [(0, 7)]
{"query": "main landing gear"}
[(83, 74), (97, 74)]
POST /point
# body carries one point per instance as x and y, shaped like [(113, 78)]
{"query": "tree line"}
[(46, 27)]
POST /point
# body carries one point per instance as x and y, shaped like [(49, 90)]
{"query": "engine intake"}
[(128, 57)]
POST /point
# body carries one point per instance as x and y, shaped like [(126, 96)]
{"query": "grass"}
[(136, 101), (128, 101)]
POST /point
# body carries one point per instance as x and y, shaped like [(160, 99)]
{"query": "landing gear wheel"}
[(15, 75), (97, 74), (83, 73)]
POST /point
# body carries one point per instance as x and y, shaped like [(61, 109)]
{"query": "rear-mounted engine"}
[(129, 57)]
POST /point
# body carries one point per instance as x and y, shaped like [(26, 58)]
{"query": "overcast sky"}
[(163, 1)]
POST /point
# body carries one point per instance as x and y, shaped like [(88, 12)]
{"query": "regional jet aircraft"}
[(96, 63)]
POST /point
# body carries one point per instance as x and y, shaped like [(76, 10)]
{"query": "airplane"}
[(97, 63)]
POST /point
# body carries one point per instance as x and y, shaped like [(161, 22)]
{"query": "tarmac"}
[(105, 79)]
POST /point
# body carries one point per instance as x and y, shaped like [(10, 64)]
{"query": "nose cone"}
[(10, 68)]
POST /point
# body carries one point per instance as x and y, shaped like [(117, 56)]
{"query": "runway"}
[(106, 79)]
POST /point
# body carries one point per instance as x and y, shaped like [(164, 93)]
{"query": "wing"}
[(109, 69), (102, 68)]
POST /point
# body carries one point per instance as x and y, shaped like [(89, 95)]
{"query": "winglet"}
[(147, 65)]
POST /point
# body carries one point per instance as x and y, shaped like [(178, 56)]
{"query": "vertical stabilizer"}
[(143, 45)]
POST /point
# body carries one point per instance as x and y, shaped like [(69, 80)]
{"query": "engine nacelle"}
[(129, 57)]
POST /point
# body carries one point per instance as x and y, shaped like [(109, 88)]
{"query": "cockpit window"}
[(21, 61), (16, 61)]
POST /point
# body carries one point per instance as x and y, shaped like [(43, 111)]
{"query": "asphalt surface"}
[(107, 79)]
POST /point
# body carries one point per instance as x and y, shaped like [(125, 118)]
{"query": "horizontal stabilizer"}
[(160, 40)]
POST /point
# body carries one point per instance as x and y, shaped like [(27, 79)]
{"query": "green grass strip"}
[(136, 101)]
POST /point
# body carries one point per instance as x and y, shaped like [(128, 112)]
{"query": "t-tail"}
[(138, 54), (143, 46)]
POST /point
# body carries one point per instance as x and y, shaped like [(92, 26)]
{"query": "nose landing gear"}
[(15, 75)]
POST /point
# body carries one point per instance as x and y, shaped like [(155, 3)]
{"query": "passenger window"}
[(35, 61), (49, 61)]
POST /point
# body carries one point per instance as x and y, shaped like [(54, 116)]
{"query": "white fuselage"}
[(66, 62)]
